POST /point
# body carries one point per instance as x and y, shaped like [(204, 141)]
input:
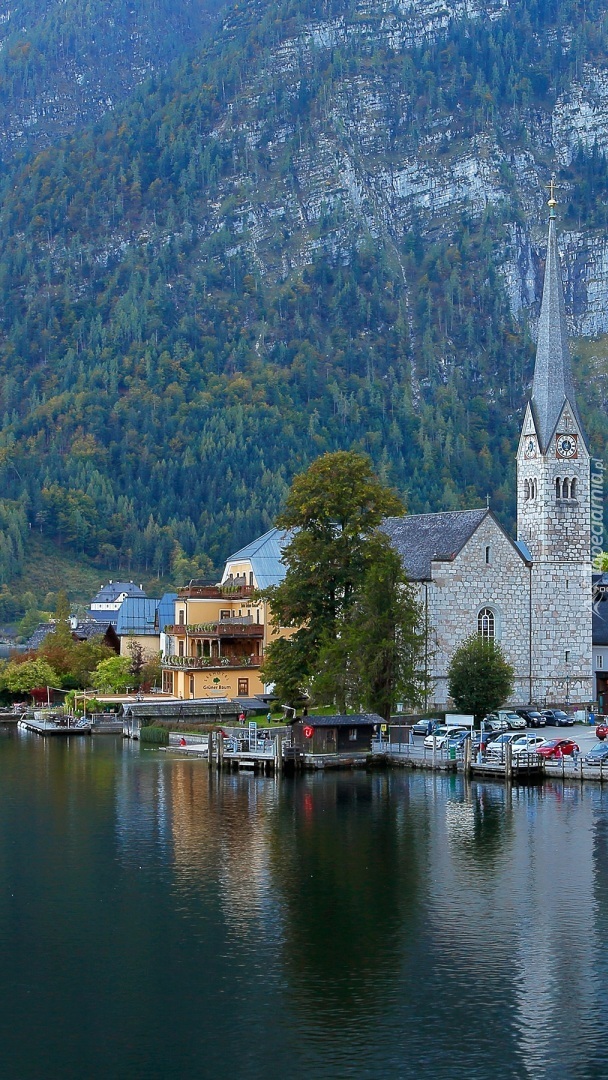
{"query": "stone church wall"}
[(461, 588)]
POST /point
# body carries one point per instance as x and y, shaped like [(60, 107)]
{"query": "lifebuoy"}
[(309, 732)]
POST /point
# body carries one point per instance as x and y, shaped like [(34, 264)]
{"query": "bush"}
[(157, 735)]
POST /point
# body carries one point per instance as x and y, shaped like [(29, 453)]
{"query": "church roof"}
[(553, 384), (417, 538), (421, 538)]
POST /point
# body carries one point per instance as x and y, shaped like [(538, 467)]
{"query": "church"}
[(532, 594)]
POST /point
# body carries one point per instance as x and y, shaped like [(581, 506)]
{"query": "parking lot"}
[(583, 735)]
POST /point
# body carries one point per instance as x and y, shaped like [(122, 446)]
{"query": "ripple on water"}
[(384, 925)]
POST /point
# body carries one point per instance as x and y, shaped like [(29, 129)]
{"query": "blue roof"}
[(137, 615), (166, 610), (264, 554), (524, 550), (108, 594)]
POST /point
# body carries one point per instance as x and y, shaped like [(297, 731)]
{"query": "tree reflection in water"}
[(347, 868)]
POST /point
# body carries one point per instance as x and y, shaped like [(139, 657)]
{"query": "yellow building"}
[(216, 645), (140, 621)]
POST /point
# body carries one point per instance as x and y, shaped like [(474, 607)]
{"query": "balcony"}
[(210, 663), (237, 627), (226, 591)]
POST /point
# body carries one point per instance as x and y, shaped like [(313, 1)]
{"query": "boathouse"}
[(338, 736)]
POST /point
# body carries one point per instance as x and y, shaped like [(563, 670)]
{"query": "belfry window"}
[(526, 489), (558, 488), (573, 488), (486, 625)]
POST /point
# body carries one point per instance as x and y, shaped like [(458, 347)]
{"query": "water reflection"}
[(359, 925), (346, 865)]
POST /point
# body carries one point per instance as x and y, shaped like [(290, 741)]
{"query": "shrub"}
[(157, 735)]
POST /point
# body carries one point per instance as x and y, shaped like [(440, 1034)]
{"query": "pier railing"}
[(443, 756)]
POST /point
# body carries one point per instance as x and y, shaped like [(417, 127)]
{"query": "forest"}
[(168, 365)]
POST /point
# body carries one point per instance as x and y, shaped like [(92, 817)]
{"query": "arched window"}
[(566, 489), (526, 489), (558, 488), (573, 488), (486, 625)]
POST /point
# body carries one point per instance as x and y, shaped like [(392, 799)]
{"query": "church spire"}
[(553, 384)]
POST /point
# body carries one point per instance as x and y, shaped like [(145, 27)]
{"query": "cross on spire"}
[(552, 200)]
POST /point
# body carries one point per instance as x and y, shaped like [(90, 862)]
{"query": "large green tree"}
[(23, 677), (114, 675), (334, 510), (479, 677), (385, 638)]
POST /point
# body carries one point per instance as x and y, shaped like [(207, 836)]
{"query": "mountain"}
[(325, 228), (64, 63)]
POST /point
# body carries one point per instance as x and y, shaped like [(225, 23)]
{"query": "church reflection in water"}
[(416, 903)]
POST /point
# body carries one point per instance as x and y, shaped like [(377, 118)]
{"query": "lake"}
[(161, 921)]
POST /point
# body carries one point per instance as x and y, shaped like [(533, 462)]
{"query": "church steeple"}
[(554, 508), (553, 384)]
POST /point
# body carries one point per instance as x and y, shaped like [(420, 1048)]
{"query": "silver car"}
[(441, 736), (598, 755), (498, 746)]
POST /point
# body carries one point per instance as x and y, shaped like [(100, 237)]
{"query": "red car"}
[(557, 748)]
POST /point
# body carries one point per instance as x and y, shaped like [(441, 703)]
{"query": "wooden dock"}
[(520, 772), (51, 728)]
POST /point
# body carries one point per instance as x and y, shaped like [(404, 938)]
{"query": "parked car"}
[(527, 744), (598, 755), (532, 717), (497, 746), (441, 735), (458, 740), (558, 717), (515, 722), (558, 748), (488, 738), (512, 720), (421, 727), (492, 723)]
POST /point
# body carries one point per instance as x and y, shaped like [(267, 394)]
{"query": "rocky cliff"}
[(324, 228)]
